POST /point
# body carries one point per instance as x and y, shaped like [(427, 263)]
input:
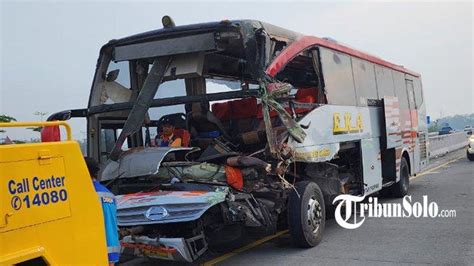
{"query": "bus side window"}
[(384, 79), (338, 79), (418, 93), (400, 89), (303, 73), (411, 98), (364, 79)]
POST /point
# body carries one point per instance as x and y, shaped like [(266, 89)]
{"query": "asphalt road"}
[(392, 241), (384, 241)]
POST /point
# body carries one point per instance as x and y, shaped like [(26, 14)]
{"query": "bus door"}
[(420, 150), (413, 129)]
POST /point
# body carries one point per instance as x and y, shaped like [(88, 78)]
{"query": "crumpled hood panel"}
[(166, 206), (169, 197), (138, 162)]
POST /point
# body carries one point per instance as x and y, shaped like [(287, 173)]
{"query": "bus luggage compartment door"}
[(371, 165), (392, 137)]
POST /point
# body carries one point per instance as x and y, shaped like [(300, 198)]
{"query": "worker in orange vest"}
[(167, 138)]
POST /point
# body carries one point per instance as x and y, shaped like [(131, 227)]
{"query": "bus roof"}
[(297, 41), (272, 30), (307, 41)]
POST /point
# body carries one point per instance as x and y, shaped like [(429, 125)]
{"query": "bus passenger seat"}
[(240, 115), (184, 135), (305, 95), (204, 126)]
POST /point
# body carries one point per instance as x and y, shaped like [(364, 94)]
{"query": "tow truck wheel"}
[(306, 214)]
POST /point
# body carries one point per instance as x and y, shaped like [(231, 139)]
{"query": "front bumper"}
[(175, 249)]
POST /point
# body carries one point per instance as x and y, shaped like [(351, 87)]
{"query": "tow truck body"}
[(50, 213)]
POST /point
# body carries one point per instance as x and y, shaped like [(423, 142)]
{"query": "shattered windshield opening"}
[(191, 116), (246, 124)]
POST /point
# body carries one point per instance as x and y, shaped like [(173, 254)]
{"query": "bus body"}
[(300, 121), (355, 83), (50, 212)]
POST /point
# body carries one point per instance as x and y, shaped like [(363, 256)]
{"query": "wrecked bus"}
[(274, 125)]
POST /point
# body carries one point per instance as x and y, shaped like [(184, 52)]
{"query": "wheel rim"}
[(314, 214)]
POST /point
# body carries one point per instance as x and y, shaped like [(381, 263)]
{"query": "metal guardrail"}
[(442, 144)]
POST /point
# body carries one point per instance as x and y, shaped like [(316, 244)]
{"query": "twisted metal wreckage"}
[(238, 204)]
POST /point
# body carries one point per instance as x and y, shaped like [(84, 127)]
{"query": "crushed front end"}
[(228, 178), (165, 224), (181, 209)]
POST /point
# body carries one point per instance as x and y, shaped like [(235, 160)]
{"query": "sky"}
[(48, 50)]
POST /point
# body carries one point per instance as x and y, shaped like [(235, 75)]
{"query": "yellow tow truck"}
[(49, 211)]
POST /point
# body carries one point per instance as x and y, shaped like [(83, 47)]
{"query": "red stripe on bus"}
[(394, 134), (307, 41)]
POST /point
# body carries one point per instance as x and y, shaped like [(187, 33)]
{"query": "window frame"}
[(323, 51)]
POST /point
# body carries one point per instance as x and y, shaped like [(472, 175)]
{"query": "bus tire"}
[(306, 214), (400, 189)]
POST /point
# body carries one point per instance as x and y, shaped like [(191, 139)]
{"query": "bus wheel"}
[(306, 214), (400, 189)]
